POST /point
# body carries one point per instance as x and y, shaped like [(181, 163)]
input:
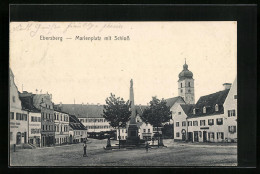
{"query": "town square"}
[(176, 154)]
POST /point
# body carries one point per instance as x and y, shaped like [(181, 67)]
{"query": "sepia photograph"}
[(147, 93)]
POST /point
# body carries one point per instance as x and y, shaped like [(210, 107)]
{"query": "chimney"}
[(60, 104), (227, 85)]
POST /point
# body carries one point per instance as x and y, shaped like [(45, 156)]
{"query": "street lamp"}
[(120, 123)]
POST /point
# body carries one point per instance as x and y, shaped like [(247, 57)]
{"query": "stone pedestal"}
[(132, 135)]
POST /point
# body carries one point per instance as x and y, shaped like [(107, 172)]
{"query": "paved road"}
[(176, 154)]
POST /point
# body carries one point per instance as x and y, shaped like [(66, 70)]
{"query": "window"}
[(204, 110), (18, 116), (211, 135), (200, 134), (177, 124), (202, 123), (195, 123), (181, 90), (220, 135), (42, 127), (11, 115), (25, 117), (219, 121), (235, 96), (181, 87), (184, 123), (194, 111), (122, 130), (216, 107), (177, 134), (39, 119), (189, 91), (49, 116), (54, 116), (189, 85), (231, 113), (148, 130), (46, 127), (14, 99), (144, 130), (232, 129), (189, 123), (179, 113), (60, 117), (211, 122)]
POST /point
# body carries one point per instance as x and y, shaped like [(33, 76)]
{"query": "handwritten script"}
[(48, 28)]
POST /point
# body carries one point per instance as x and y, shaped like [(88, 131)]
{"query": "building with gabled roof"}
[(43, 102), (91, 116), (208, 120), (18, 116), (34, 120), (77, 131)]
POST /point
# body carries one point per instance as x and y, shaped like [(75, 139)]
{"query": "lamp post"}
[(119, 137)]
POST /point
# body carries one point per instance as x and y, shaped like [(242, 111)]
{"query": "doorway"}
[(204, 136), (196, 136), (25, 137), (18, 138), (190, 137)]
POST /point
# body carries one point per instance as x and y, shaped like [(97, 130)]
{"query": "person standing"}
[(85, 149), (146, 146)]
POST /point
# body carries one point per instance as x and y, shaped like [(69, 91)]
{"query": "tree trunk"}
[(158, 135), (119, 136)]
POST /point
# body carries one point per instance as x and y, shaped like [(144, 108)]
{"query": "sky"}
[(88, 71)]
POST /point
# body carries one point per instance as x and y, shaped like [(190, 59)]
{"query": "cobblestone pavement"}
[(176, 154)]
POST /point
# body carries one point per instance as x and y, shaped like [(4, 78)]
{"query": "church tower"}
[(186, 85)]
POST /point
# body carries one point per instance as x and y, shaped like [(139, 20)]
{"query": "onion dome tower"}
[(186, 85)]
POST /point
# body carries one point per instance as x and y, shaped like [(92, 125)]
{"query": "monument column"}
[(132, 128)]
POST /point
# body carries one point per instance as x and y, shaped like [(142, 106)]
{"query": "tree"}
[(157, 113), (117, 112), (167, 131)]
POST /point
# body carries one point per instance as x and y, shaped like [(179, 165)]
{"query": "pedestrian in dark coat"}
[(146, 146), (85, 149)]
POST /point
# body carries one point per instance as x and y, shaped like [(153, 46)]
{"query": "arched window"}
[(189, 84), (204, 109), (181, 85), (194, 111), (216, 107)]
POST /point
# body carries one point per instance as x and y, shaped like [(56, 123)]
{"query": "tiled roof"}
[(87, 111), (209, 101), (91, 111), (75, 124), (27, 103), (172, 101), (187, 108)]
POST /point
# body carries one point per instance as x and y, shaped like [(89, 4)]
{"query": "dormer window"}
[(216, 107), (204, 110), (194, 111)]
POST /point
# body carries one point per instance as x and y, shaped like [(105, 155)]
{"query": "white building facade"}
[(18, 118), (212, 119), (230, 112), (35, 128), (61, 127)]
